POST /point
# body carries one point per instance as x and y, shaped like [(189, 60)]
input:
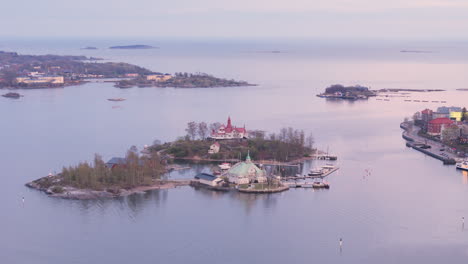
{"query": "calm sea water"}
[(408, 210)]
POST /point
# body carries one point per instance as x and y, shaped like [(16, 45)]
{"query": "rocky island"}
[(146, 170), (339, 91)]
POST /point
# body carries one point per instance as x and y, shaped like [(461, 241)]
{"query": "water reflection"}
[(465, 177)]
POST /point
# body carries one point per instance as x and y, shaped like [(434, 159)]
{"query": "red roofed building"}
[(229, 131), (426, 115), (436, 126)]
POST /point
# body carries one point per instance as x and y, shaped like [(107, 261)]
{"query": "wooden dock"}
[(311, 177)]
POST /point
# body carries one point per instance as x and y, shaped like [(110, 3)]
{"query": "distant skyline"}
[(371, 19)]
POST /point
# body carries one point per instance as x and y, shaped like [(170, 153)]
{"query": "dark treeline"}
[(134, 170), (287, 144)]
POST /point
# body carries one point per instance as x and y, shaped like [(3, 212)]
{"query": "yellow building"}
[(41, 80), (456, 116), (158, 77)]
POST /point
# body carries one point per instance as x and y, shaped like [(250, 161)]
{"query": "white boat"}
[(462, 165), (315, 172), (327, 167), (320, 185), (224, 166)]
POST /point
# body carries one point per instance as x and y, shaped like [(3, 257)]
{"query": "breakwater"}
[(445, 160), (412, 143)]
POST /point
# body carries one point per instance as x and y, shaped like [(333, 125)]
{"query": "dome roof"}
[(246, 169)]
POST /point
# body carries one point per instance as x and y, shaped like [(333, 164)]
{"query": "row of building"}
[(448, 122), (41, 79)]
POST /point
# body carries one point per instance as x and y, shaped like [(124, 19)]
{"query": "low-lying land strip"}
[(48, 71)]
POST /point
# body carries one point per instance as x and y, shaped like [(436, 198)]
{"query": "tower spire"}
[(229, 122)]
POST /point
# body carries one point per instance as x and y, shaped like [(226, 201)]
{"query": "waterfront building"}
[(426, 115), (229, 132), (246, 172), (456, 115), (436, 126), (446, 110), (214, 148), (131, 75), (158, 77), (41, 79), (440, 115), (208, 179)]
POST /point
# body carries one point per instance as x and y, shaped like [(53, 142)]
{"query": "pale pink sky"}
[(414, 19)]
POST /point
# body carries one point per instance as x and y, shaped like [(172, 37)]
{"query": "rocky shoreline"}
[(69, 192)]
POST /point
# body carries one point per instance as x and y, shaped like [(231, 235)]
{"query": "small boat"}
[(224, 166), (12, 95), (320, 185), (327, 167), (462, 165), (315, 172), (116, 99)]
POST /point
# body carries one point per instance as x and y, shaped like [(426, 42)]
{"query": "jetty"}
[(266, 190)]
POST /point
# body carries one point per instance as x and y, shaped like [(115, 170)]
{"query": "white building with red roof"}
[(229, 132)]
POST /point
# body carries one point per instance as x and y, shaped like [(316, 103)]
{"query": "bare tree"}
[(191, 130), (257, 134), (214, 126), (310, 140), (202, 130)]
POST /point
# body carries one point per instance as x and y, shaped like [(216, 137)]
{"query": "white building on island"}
[(214, 148)]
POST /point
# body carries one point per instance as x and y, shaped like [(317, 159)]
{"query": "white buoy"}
[(341, 242)]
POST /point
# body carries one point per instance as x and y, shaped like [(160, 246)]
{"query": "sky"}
[(327, 19)]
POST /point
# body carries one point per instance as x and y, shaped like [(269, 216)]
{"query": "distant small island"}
[(416, 51), (339, 91), (89, 48), (133, 47)]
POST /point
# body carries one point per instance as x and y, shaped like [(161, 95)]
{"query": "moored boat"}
[(116, 99), (320, 185), (224, 166), (315, 172), (463, 165)]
